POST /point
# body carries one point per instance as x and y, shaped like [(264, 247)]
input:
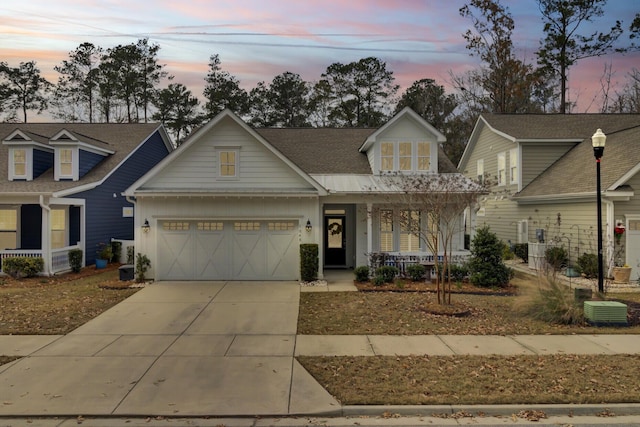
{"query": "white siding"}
[(197, 167)]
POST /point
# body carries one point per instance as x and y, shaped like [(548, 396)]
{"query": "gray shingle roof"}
[(329, 150), (574, 173), (118, 137)]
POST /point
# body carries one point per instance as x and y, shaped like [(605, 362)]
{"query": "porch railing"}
[(59, 258), (402, 261)]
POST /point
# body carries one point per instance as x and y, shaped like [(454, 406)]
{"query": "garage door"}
[(228, 250)]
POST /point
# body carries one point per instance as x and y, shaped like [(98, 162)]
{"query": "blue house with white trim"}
[(61, 186)]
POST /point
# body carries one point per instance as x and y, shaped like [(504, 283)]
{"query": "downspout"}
[(46, 249)]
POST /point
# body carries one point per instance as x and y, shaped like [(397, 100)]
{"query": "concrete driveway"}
[(174, 348)]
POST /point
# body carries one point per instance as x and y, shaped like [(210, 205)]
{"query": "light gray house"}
[(234, 202), (542, 174)]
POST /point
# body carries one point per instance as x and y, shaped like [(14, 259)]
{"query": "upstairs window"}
[(65, 163), (386, 156), (228, 163), (424, 156), (480, 170), (513, 166), (502, 169), (404, 156), (20, 162)]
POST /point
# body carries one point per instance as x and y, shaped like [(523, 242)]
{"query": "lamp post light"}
[(597, 141)]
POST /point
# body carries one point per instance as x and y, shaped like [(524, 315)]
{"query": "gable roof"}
[(547, 127), (573, 175), (121, 138)]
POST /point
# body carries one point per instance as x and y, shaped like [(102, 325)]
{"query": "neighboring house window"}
[(386, 230), (66, 163), (424, 156), (58, 228), (502, 169), (513, 166), (409, 231), (20, 163), (8, 228), (228, 163), (386, 156), (480, 170), (404, 156)]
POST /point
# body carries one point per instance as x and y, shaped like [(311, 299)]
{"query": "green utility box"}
[(605, 313)]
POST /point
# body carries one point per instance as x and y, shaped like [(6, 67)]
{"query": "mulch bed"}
[(423, 286)]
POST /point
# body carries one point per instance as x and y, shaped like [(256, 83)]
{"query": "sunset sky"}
[(257, 40)]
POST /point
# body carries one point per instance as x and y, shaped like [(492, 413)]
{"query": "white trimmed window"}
[(386, 156), (58, 228), (480, 170), (424, 156), (228, 163), (513, 166), (8, 228), (404, 156), (20, 162), (502, 169), (409, 231), (65, 162), (386, 230)]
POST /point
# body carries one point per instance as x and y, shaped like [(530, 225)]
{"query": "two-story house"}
[(61, 186), (234, 202), (542, 173)]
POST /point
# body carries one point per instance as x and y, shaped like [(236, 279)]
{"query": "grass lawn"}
[(461, 379), (59, 304)]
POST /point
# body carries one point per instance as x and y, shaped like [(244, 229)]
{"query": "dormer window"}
[(66, 163), (386, 156), (19, 163), (405, 156), (424, 156)]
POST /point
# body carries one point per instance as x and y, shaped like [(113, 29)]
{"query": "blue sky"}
[(257, 40)]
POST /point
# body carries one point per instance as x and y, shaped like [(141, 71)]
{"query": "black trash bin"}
[(126, 272)]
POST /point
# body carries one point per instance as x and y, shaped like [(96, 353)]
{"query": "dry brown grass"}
[(444, 380), (59, 304)]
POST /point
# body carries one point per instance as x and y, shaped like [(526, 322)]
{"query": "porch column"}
[(45, 243), (369, 228)]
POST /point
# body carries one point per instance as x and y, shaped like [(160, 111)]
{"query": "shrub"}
[(587, 264), (486, 267), (142, 265), (19, 267), (104, 251), (555, 303), (75, 260), (361, 273), (116, 251), (507, 253), (387, 272), (556, 257), (458, 272), (379, 281), (521, 250), (416, 271), (131, 251), (309, 262)]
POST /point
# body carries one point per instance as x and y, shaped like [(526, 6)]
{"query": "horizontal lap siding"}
[(197, 166), (538, 157)]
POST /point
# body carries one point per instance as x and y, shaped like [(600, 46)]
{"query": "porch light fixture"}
[(146, 227), (597, 141), (308, 226)]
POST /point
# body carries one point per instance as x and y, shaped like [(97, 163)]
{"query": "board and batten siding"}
[(537, 157), (197, 166)]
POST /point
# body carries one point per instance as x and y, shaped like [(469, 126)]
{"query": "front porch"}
[(403, 260), (55, 262)]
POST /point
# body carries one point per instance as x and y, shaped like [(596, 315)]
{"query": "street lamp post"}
[(597, 140)]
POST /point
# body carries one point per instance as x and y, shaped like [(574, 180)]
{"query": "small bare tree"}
[(444, 197)]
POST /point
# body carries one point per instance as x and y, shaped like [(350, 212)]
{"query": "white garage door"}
[(228, 250)]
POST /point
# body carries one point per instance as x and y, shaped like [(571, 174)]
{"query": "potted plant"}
[(621, 271), (104, 254)]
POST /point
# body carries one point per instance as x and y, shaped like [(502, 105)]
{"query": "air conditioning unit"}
[(605, 313), (522, 234)]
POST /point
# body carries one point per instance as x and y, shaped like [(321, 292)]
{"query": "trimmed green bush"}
[(388, 273), (361, 273), (142, 265), (19, 267), (486, 267), (416, 272), (521, 250), (587, 264), (309, 262), (379, 280), (556, 257), (75, 260), (458, 272), (116, 251)]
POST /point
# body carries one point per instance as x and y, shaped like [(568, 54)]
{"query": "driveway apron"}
[(174, 348)]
